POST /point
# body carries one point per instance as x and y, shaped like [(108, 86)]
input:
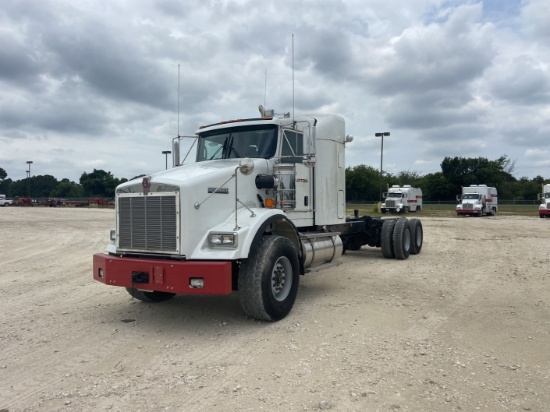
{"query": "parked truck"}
[(477, 200), (544, 208), (4, 201), (263, 203), (402, 199)]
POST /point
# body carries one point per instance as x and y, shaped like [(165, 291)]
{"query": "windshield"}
[(547, 195), (471, 196), (394, 194), (238, 142)]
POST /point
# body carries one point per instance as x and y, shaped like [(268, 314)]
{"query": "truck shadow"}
[(179, 314)]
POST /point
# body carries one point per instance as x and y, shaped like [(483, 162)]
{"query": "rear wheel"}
[(386, 240), (151, 297), (268, 279), (402, 239), (417, 236)]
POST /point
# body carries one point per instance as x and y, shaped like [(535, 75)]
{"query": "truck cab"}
[(477, 200), (402, 200)]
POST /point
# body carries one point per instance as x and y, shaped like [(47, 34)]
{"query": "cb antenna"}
[(292, 77), (265, 86), (178, 100)]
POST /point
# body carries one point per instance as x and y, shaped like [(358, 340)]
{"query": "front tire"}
[(150, 297), (268, 279)]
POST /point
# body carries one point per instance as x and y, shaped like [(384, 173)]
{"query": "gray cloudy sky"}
[(94, 84)]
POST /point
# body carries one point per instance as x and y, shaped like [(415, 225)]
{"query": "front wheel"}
[(268, 279)]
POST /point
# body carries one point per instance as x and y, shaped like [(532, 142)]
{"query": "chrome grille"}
[(148, 223), (467, 206), (390, 203)]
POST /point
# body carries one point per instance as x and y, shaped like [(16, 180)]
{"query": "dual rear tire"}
[(401, 238)]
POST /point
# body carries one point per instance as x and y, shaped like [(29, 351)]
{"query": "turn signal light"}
[(269, 203)]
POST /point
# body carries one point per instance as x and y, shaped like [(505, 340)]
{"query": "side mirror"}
[(458, 197), (385, 195), (539, 196)]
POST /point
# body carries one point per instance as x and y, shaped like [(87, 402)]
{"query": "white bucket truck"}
[(402, 199), (544, 208), (263, 203), (477, 200)]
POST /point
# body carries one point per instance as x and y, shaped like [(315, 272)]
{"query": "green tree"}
[(435, 186), (100, 183), (5, 184), (42, 186), (66, 188), (362, 183), (408, 178), (461, 171)]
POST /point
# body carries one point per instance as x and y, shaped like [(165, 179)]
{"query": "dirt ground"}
[(463, 326)]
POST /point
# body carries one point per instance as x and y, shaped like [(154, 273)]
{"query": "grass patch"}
[(442, 210)]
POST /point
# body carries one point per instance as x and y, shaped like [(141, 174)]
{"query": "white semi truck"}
[(402, 199), (263, 203), (477, 200), (544, 208)]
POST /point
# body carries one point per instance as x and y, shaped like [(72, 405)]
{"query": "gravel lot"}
[(464, 326)]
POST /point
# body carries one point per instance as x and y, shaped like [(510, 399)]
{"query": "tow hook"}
[(140, 277)]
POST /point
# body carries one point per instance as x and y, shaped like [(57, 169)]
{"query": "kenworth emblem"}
[(222, 190)]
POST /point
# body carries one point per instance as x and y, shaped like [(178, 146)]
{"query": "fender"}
[(250, 230)]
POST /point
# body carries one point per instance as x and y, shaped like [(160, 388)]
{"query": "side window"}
[(292, 147)]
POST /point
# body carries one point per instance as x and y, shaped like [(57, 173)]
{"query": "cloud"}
[(87, 84)]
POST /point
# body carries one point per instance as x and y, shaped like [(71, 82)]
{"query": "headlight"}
[(223, 239)]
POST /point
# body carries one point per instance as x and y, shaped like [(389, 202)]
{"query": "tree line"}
[(362, 182), (98, 183), (366, 183)]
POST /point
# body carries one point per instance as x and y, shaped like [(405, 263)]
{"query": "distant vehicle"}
[(4, 201), (544, 208), (402, 200), (477, 200)]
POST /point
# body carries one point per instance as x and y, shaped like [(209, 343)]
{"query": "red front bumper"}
[(544, 211), (164, 275), (468, 212)]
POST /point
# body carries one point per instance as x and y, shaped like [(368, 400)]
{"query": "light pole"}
[(381, 134), (166, 153), (29, 162)]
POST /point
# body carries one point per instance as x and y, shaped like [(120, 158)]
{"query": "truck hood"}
[(173, 179)]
